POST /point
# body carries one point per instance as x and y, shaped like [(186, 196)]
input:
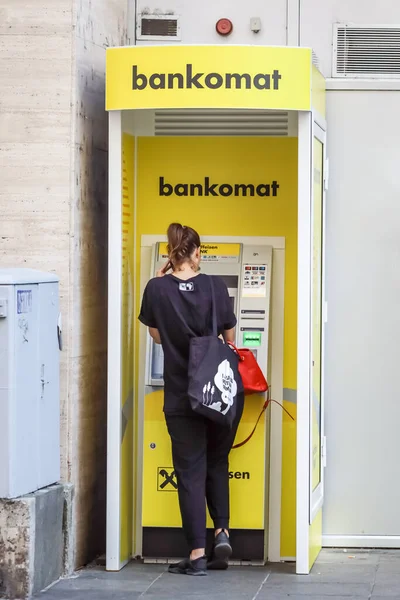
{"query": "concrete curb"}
[(36, 541)]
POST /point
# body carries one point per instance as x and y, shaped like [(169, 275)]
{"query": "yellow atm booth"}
[(231, 141), (245, 264)]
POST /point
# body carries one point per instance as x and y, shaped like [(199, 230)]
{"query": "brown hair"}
[(182, 242)]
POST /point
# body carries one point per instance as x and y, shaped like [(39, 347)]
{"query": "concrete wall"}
[(99, 23), (53, 193), (35, 139)]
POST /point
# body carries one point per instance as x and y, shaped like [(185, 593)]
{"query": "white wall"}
[(317, 18), (198, 20), (363, 331), (363, 291)]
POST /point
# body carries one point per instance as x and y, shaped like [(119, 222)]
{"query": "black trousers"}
[(200, 450)]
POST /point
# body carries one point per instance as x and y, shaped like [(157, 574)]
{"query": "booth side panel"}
[(288, 506), (127, 341), (318, 95), (303, 344), (315, 538), (316, 409)]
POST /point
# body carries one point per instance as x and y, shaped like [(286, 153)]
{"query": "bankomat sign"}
[(198, 77), (210, 188), (193, 78)]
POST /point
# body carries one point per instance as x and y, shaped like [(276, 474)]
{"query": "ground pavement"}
[(337, 575)]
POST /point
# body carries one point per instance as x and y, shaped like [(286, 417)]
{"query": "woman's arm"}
[(155, 334), (229, 335)]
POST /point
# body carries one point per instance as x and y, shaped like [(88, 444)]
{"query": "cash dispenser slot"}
[(252, 314)]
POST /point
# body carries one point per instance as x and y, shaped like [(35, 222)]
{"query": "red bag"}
[(254, 382), (253, 379)]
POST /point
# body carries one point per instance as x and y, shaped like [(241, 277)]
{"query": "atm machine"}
[(246, 270)]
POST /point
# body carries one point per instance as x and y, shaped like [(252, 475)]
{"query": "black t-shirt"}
[(181, 309)]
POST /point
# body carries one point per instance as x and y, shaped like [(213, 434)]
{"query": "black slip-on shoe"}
[(196, 568), (221, 553)]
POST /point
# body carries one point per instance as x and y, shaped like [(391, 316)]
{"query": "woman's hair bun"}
[(182, 242)]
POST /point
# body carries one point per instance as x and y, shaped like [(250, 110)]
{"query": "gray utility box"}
[(29, 381)]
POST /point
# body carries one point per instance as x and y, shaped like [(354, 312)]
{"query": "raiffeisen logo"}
[(213, 81)]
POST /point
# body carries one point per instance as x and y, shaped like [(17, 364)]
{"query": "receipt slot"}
[(247, 272)]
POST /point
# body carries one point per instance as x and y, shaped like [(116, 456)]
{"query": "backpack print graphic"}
[(225, 382)]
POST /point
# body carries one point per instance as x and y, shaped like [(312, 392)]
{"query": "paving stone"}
[(349, 557), (61, 594), (360, 574), (227, 595), (290, 596), (353, 590), (389, 566), (334, 576), (282, 568), (387, 590), (112, 584), (130, 571), (243, 581), (389, 555), (388, 578), (130, 579), (344, 569)]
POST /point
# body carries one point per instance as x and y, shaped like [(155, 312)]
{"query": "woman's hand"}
[(161, 272)]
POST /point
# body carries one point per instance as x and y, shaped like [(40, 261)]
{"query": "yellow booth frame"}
[(236, 79)]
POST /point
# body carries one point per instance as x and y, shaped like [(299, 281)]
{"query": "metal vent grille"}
[(158, 27), (221, 122), (164, 27), (366, 51)]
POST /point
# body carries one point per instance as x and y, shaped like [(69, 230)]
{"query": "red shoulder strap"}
[(264, 408)]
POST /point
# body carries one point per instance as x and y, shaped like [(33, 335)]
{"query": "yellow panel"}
[(232, 161), (160, 500), (315, 538), (208, 77), (247, 469), (126, 493), (127, 345), (318, 92), (288, 508)]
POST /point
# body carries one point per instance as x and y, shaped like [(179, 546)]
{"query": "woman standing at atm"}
[(176, 306)]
